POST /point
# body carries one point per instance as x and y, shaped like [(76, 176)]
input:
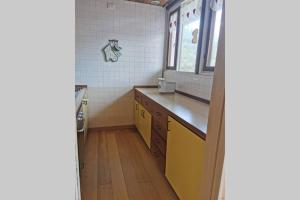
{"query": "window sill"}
[(205, 73)]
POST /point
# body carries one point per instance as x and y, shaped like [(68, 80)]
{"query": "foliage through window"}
[(194, 29), (189, 32), (173, 37)]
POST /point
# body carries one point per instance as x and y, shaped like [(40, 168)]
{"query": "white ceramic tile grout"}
[(139, 29), (195, 84)]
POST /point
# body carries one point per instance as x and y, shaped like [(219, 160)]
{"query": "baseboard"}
[(109, 128)]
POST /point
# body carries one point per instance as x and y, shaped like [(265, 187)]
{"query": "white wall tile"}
[(139, 29), (195, 84)]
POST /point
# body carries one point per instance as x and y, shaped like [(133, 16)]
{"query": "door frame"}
[(215, 139)]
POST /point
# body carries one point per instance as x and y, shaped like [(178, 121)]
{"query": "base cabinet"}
[(143, 122), (184, 160), (137, 115), (178, 151)]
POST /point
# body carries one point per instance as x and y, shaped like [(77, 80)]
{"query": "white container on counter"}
[(165, 86)]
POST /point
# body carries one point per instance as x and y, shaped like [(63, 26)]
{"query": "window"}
[(173, 38), (189, 32), (194, 29), (213, 36)]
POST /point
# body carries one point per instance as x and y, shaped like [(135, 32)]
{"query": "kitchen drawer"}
[(147, 103), (160, 128), (159, 142), (137, 96), (160, 115), (160, 159)]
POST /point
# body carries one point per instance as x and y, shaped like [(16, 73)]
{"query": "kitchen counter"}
[(192, 112)]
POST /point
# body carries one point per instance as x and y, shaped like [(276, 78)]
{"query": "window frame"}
[(211, 18), (198, 68), (177, 38), (200, 36), (205, 67), (203, 37)]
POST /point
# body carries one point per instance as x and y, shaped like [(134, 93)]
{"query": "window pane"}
[(189, 33), (214, 38), (172, 39)]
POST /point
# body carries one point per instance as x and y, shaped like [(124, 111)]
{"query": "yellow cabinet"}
[(143, 122), (147, 127), (184, 160), (137, 115)]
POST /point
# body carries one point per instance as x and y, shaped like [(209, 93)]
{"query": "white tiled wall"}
[(199, 85), (140, 31)]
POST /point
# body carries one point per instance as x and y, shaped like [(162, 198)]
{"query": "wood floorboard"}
[(134, 189), (117, 177), (136, 161), (157, 178), (149, 191), (104, 175), (103, 170), (105, 192), (119, 166), (89, 172)]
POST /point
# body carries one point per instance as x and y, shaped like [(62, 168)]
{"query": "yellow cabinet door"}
[(141, 120), (184, 160), (145, 125), (137, 115), (147, 130)]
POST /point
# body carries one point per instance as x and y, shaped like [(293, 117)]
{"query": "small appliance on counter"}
[(165, 86)]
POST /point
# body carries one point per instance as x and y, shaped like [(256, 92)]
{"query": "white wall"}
[(140, 31), (199, 85)]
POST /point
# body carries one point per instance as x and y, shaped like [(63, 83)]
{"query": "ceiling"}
[(162, 2)]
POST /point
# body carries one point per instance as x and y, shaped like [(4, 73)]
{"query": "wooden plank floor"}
[(119, 166)]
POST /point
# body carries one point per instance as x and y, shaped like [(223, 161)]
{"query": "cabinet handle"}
[(158, 113), (143, 113), (168, 126)]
